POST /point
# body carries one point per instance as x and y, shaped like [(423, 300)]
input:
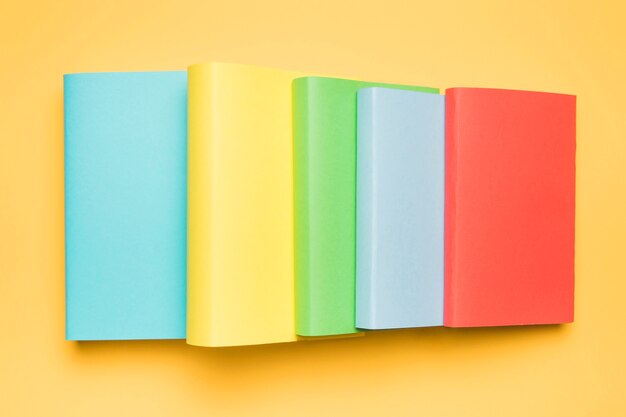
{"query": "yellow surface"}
[(240, 268), (567, 46)]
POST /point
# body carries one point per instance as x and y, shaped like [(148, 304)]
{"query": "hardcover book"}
[(125, 203), (399, 217), (241, 273), (325, 111), (510, 186)]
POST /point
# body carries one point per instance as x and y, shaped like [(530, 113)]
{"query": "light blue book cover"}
[(400, 203), (125, 205)]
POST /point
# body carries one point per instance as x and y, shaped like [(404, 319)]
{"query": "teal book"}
[(125, 205), (325, 130), (400, 203)]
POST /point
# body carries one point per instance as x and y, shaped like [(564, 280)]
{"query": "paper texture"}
[(125, 204), (400, 190), (510, 185), (240, 258)]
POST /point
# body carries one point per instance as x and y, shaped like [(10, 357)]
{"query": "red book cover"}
[(509, 209)]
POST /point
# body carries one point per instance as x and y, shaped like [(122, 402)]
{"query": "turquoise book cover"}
[(125, 205)]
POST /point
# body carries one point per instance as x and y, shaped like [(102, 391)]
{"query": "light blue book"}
[(400, 202), (125, 205)]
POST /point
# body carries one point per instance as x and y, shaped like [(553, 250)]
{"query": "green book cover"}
[(325, 111)]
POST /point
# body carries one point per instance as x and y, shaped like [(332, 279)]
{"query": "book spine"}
[(365, 221), (199, 206), (301, 155), (451, 149)]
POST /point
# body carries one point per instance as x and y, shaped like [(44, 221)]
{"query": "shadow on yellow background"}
[(573, 370), (237, 374)]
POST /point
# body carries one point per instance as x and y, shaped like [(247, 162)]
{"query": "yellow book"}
[(240, 206)]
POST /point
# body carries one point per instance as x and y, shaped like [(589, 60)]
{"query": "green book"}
[(325, 111)]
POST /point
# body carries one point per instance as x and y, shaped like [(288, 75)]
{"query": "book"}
[(509, 211), (400, 202), (125, 204), (325, 202), (240, 241)]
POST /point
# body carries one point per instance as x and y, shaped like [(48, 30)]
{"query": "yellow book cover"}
[(240, 206)]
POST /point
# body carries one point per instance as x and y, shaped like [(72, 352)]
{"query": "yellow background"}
[(567, 46)]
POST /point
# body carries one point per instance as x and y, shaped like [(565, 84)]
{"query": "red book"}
[(509, 210)]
